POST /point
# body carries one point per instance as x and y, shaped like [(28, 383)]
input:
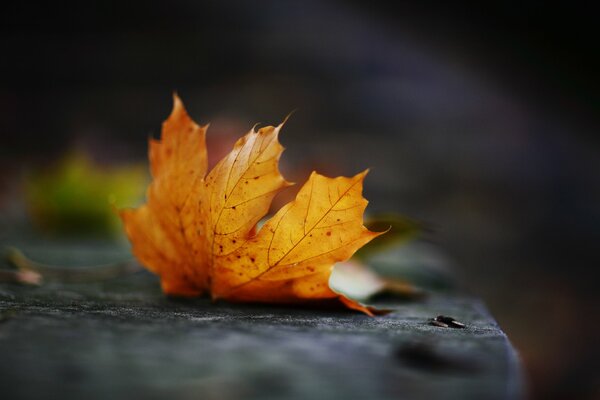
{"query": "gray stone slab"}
[(123, 339)]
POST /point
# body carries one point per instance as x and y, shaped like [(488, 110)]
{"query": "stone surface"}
[(123, 339)]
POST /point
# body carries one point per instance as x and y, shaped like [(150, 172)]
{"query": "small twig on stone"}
[(27, 268)]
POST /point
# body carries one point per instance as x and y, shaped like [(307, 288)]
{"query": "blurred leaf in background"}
[(78, 197), (400, 229)]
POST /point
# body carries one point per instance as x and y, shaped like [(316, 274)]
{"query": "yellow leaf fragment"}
[(159, 230)]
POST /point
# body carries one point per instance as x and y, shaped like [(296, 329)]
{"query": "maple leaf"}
[(198, 232)]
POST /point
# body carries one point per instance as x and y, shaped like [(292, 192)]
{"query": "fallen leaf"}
[(198, 232), (355, 280), (359, 282)]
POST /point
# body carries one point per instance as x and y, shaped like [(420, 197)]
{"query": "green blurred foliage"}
[(77, 197)]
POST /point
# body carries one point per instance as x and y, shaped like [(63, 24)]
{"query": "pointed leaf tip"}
[(287, 117)]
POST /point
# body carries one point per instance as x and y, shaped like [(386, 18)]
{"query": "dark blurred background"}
[(479, 119)]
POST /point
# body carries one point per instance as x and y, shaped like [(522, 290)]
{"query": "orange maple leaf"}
[(198, 232)]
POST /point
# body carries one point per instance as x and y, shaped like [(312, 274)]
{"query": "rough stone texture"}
[(123, 339)]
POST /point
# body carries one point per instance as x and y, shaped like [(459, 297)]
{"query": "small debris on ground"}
[(443, 321)]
